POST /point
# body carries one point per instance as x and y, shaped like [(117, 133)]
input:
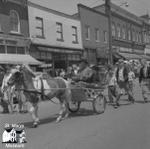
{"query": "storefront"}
[(14, 51), (129, 53), (58, 57), (15, 59)]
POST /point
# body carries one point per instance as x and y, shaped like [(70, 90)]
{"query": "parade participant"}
[(112, 88), (5, 91), (22, 102), (144, 79), (131, 77), (122, 79), (85, 73)]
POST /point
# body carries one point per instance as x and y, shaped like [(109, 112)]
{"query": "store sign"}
[(139, 51), (147, 51), (128, 50), (11, 42)]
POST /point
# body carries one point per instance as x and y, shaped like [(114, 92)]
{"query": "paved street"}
[(127, 127)]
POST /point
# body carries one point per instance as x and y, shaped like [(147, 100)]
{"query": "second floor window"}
[(39, 27), (87, 32), (124, 32), (105, 37), (14, 22), (59, 31), (0, 28), (97, 38), (129, 34), (118, 31), (75, 34), (113, 29), (137, 36), (140, 37), (133, 35)]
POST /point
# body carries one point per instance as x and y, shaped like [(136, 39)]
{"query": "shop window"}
[(74, 34), (39, 27), (21, 50), (59, 31), (87, 32), (14, 22), (11, 49), (113, 30), (97, 35), (2, 49)]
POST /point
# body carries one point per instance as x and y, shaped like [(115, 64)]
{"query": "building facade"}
[(14, 32), (55, 37), (127, 32), (146, 33), (94, 34)]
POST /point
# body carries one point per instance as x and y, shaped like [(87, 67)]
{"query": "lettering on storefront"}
[(139, 51), (11, 42), (128, 50)]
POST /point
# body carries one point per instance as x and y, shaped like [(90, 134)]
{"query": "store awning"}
[(146, 57), (129, 56), (60, 50), (18, 59)]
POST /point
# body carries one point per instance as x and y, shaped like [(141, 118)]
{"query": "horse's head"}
[(20, 75), (15, 76)]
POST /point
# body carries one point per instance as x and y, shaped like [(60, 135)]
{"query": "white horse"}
[(46, 87)]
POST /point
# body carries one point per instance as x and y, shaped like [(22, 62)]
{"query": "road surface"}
[(127, 127)]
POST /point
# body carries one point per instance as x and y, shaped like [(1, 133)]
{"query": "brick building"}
[(94, 34), (127, 32), (55, 36), (14, 32)]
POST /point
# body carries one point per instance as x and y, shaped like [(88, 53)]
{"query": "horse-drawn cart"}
[(88, 93)]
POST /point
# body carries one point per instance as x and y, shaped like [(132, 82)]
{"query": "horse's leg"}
[(66, 110), (66, 100), (11, 103), (62, 107), (23, 102), (34, 113), (19, 101)]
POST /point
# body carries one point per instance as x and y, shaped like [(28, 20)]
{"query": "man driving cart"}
[(85, 73)]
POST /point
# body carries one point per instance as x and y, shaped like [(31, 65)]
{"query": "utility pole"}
[(108, 12)]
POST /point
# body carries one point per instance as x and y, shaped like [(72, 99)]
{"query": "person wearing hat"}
[(144, 79), (122, 79), (113, 87), (85, 73)]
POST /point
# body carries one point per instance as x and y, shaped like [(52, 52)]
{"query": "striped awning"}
[(18, 59)]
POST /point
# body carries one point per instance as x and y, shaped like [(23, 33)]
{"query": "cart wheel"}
[(99, 104), (74, 106)]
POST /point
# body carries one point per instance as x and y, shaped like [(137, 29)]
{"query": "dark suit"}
[(144, 80), (125, 84)]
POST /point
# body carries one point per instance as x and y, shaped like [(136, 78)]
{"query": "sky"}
[(138, 7)]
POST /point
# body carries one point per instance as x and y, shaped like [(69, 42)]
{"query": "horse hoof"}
[(58, 120), (35, 125)]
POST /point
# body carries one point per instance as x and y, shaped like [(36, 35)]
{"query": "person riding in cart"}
[(85, 73)]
